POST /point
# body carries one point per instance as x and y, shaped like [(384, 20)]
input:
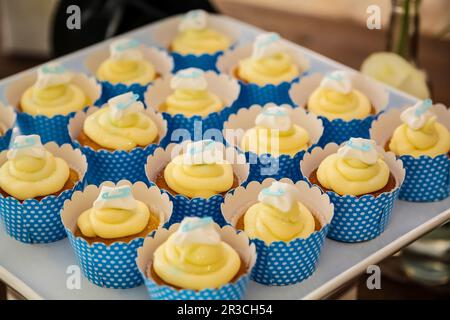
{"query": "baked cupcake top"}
[(191, 96), (356, 169), (201, 171), (53, 93), (115, 214), (31, 170), (121, 125), (195, 37), (195, 257), (126, 64), (270, 62), (278, 215), (274, 133), (336, 98), (421, 133)]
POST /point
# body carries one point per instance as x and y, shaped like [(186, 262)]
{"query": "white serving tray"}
[(40, 271)]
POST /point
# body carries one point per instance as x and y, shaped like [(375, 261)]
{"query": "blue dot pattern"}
[(110, 90), (285, 263), (358, 219), (114, 166), (33, 221), (5, 139), (108, 266), (427, 179), (204, 62), (254, 94), (49, 129), (231, 291)]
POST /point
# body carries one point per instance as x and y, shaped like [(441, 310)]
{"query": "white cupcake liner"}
[(111, 266), (339, 130), (33, 221), (105, 165), (427, 178), (48, 128), (283, 263), (265, 165), (198, 207), (231, 291), (357, 218), (7, 122)]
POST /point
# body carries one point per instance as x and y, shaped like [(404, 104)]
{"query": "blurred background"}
[(34, 31)]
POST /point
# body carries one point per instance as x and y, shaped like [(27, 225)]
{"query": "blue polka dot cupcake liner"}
[(162, 62), (204, 61), (252, 93), (111, 266), (49, 128), (283, 263), (194, 207), (38, 221), (339, 130), (196, 127), (106, 165), (7, 122), (427, 178), (265, 165), (232, 291), (357, 218)]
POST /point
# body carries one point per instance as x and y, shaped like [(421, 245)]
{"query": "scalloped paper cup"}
[(194, 207), (166, 31), (252, 93), (283, 263), (7, 122), (339, 130), (48, 128), (226, 88), (231, 291), (361, 218), (33, 221), (162, 62), (111, 266), (105, 165), (267, 166), (427, 179)]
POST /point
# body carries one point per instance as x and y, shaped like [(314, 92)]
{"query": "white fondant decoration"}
[(126, 49), (124, 104), (191, 78), (26, 146), (339, 81), (194, 230), (417, 116), (52, 74), (195, 19), (279, 195), (115, 198), (274, 117), (360, 149)]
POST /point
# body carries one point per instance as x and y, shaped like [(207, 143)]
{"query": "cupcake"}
[(265, 69), (274, 138), (7, 122), (197, 175), (129, 66), (105, 226), (362, 181), (196, 260), (347, 103), (117, 138), (419, 136), (35, 180), (194, 100), (195, 39), (45, 100), (288, 224)]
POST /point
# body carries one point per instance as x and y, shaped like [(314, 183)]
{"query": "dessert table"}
[(42, 271)]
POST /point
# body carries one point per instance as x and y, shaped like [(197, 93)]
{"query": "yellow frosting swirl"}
[(133, 130), (335, 105), (111, 223), (261, 140), (28, 177), (126, 71), (198, 180), (272, 69), (191, 102), (348, 176), (433, 139), (54, 100), (196, 266), (270, 224), (200, 41)]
